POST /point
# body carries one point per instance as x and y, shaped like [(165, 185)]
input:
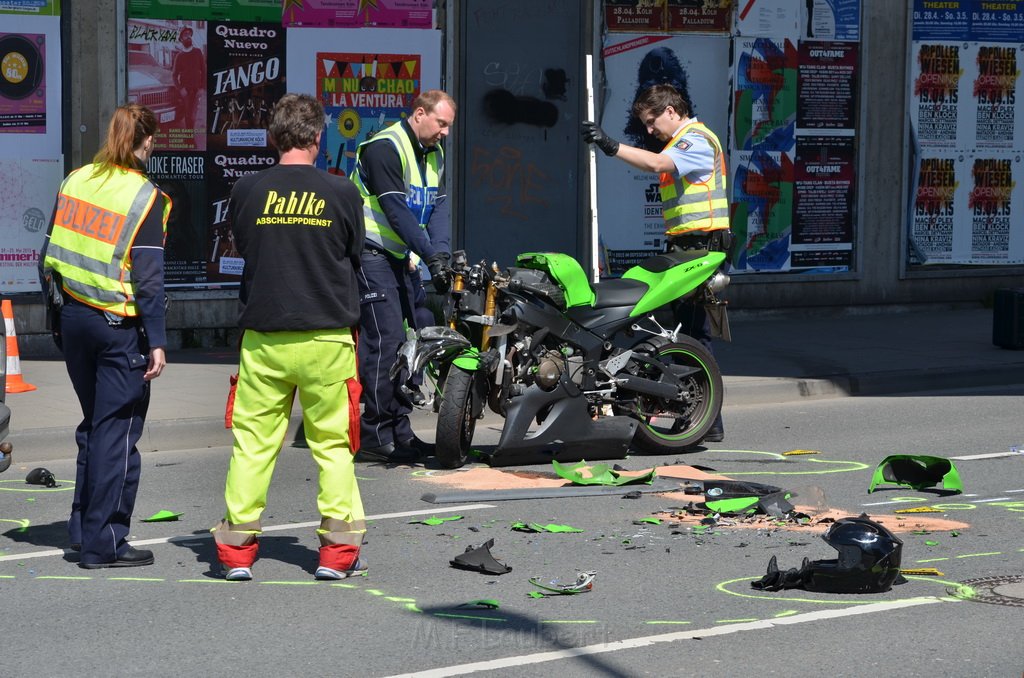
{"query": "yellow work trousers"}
[(274, 365)]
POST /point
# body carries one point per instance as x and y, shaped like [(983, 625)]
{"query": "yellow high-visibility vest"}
[(420, 190), (697, 206), (94, 226)]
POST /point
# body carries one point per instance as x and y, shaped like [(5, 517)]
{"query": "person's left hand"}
[(157, 362)]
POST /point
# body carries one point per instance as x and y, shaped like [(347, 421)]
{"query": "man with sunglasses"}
[(694, 201)]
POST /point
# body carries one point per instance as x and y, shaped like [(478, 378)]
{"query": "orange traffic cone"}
[(15, 384)]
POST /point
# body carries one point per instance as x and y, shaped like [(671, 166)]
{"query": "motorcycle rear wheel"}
[(456, 418), (672, 425)]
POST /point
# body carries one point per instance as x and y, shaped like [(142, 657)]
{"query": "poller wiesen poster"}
[(362, 94), (629, 205)]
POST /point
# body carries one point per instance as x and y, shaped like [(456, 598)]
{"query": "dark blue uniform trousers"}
[(387, 292), (106, 365)]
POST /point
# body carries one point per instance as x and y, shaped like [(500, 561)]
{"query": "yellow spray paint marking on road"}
[(65, 485), (919, 509), (796, 452), (23, 523), (841, 466)]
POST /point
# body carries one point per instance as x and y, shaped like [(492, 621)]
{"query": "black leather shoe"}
[(423, 449), (715, 434), (388, 454), (76, 547), (132, 557)]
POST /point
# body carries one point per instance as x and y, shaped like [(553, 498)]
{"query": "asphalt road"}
[(667, 601)]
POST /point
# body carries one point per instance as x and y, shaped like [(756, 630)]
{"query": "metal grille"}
[(983, 590)]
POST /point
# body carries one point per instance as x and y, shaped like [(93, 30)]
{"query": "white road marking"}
[(272, 528), (991, 455), (645, 641)]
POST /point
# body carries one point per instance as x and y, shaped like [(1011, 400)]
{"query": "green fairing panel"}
[(468, 360), (669, 285), (565, 271)]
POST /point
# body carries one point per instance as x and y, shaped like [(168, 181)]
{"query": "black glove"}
[(439, 271), (593, 134)]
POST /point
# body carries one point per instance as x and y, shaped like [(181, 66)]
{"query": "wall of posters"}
[(31, 160), (789, 129), (631, 224), (211, 84)]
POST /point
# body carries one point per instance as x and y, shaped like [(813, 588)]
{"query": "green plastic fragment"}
[(488, 603), (536, 594), (651, 520), (434, 520), (931, 543), (917, 471), (162, 516), (737, 505), (599, 474), (537, 527)]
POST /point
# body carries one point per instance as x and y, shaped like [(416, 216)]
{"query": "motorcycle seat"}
[(616, 292)]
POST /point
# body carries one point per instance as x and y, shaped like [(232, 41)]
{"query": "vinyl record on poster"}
[(21, 67)]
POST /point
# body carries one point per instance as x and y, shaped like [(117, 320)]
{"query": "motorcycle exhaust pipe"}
[(719, 281), (649, 387)]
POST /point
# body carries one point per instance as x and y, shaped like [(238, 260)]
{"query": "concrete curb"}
[(39, 444)]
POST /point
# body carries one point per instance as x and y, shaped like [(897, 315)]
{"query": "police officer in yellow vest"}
[(694, 201), (102, 270), (400, 174)]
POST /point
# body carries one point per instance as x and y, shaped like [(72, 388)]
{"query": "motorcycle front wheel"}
[(461, 404), (671, 425)]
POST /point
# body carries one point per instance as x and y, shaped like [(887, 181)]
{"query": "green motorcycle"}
[(578, 370)]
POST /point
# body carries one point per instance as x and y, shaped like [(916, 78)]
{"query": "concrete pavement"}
[(773, 358)]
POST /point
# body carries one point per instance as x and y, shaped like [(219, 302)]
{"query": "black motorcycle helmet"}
[(869, 559), (41, 476)]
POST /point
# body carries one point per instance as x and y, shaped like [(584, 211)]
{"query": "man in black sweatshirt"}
[(300, 231)]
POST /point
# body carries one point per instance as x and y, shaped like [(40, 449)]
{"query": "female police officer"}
[(103, 265)]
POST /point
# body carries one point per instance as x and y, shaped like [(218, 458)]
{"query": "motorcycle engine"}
[(550, 366), (549, 370)]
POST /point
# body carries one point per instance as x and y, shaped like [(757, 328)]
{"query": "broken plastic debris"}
[(598, 474), (917, 471), (584, 582), (434, 520), (795, 452), (650, 520), (479, 559), (487, 603), (162, 516), (550, 527), (923, 571)]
